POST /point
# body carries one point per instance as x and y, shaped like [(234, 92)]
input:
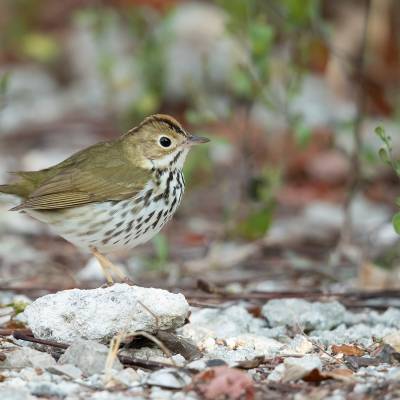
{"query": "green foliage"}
[(385, 152), (262, 205), (396, 222), (18, 306), (4, 82), (40, 47), (256, 224), (386, 155), (302, 132), (299, 13), (199, 162), (161, 248), (20, 35)]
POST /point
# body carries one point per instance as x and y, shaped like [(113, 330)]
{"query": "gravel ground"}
[(288, 348)]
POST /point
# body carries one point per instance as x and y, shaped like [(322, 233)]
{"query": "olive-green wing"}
[(100, 177)]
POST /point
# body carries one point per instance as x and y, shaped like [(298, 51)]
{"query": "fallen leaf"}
[(249, 364), (348, 350), (224, 382), (359, 362), (340, 374), (315, 375), (386, 354), (179, 345)]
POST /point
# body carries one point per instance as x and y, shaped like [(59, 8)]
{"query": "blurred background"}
[(290, 193)]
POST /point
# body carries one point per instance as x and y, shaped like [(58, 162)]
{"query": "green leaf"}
[(303, 134), (398, 201), (161, 248), (396, 223), (40, 47), (380, 131), (384, 156), (261, 37), (4, 81), (256, 224)]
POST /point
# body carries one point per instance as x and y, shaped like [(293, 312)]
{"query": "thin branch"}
[(136, 362), (356, 176)]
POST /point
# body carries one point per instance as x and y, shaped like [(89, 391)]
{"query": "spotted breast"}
[(115, 225)]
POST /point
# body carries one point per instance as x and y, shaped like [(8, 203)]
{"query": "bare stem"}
[(356, 168)]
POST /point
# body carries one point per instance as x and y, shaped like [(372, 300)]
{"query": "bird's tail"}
[(9, 189), (17, 189)]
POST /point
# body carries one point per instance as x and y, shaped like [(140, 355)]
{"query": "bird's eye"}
[(165, 141)]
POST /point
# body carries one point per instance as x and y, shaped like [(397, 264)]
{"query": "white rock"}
[(127, 377), (393, 340), (14, 393), (51, 389), (168, 378), (308, 316), (262, 346), (294, 368), (90, 357), (67, 369), (391, 317), (299, 345), (357, 334), (26, 357), (99, 314), (216, 323), (91, 271)]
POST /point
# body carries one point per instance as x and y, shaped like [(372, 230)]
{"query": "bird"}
[(113, 195)]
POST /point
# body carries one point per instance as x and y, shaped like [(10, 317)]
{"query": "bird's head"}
[(162, 141)]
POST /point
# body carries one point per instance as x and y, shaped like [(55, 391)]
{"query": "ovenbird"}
[(112, 195)]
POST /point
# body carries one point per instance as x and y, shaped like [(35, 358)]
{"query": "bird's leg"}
[(108, 266)]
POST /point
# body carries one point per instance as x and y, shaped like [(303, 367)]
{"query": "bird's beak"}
[(193, 140)]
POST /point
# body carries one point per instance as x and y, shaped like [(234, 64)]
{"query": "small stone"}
[(262, 346), (199, 364), (66, 369), (391, 317), (294, 368), (361, 334), (127, 377), (394, 374), (216, 323), (14, 393), (26, 357), (299, 345), (393, 340), (298, 312), (74, 314), (89, 356), (297, 368), (168, 378), (50, 389)]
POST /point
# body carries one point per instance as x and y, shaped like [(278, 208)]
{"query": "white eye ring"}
[(165, 142)]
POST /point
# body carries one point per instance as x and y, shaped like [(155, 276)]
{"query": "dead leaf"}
[(340, 374), (348, 350), (179, 345), (359, 362), (224, 382), (315, 375), (386, 354), (249, 364)]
